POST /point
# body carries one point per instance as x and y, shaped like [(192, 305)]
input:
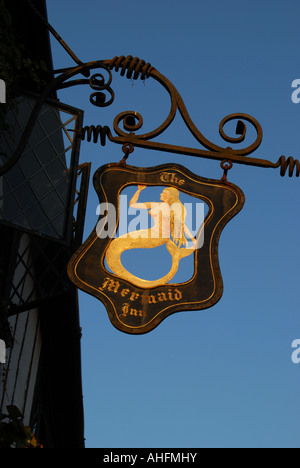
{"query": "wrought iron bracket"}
[(134, 68), (103, 95)]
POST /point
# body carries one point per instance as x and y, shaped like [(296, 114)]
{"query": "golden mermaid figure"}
[(169, 223)]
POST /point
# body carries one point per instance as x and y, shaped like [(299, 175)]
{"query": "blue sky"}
[(222, 377)]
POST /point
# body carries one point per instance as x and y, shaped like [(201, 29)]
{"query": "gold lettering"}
[(111, 285), (136, 313), (164, 177), (124, 292), (115, 287), (105, 283), (177, 295), (152, 300), (162, 297), (134, 296), (170, 177), (125, 310), (170, 295)]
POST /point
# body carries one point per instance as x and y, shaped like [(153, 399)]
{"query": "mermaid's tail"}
[(173, 249), (140, 240)]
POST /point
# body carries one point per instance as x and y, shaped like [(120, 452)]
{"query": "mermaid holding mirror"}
[(169, 228)]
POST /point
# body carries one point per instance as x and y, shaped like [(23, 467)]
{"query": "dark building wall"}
[(33, 38), (57, 410)]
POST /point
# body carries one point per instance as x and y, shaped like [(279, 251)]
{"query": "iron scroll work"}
[(136, 305), (103, 95), (133, 305)]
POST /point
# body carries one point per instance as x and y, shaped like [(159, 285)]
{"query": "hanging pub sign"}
[(154, 250)]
